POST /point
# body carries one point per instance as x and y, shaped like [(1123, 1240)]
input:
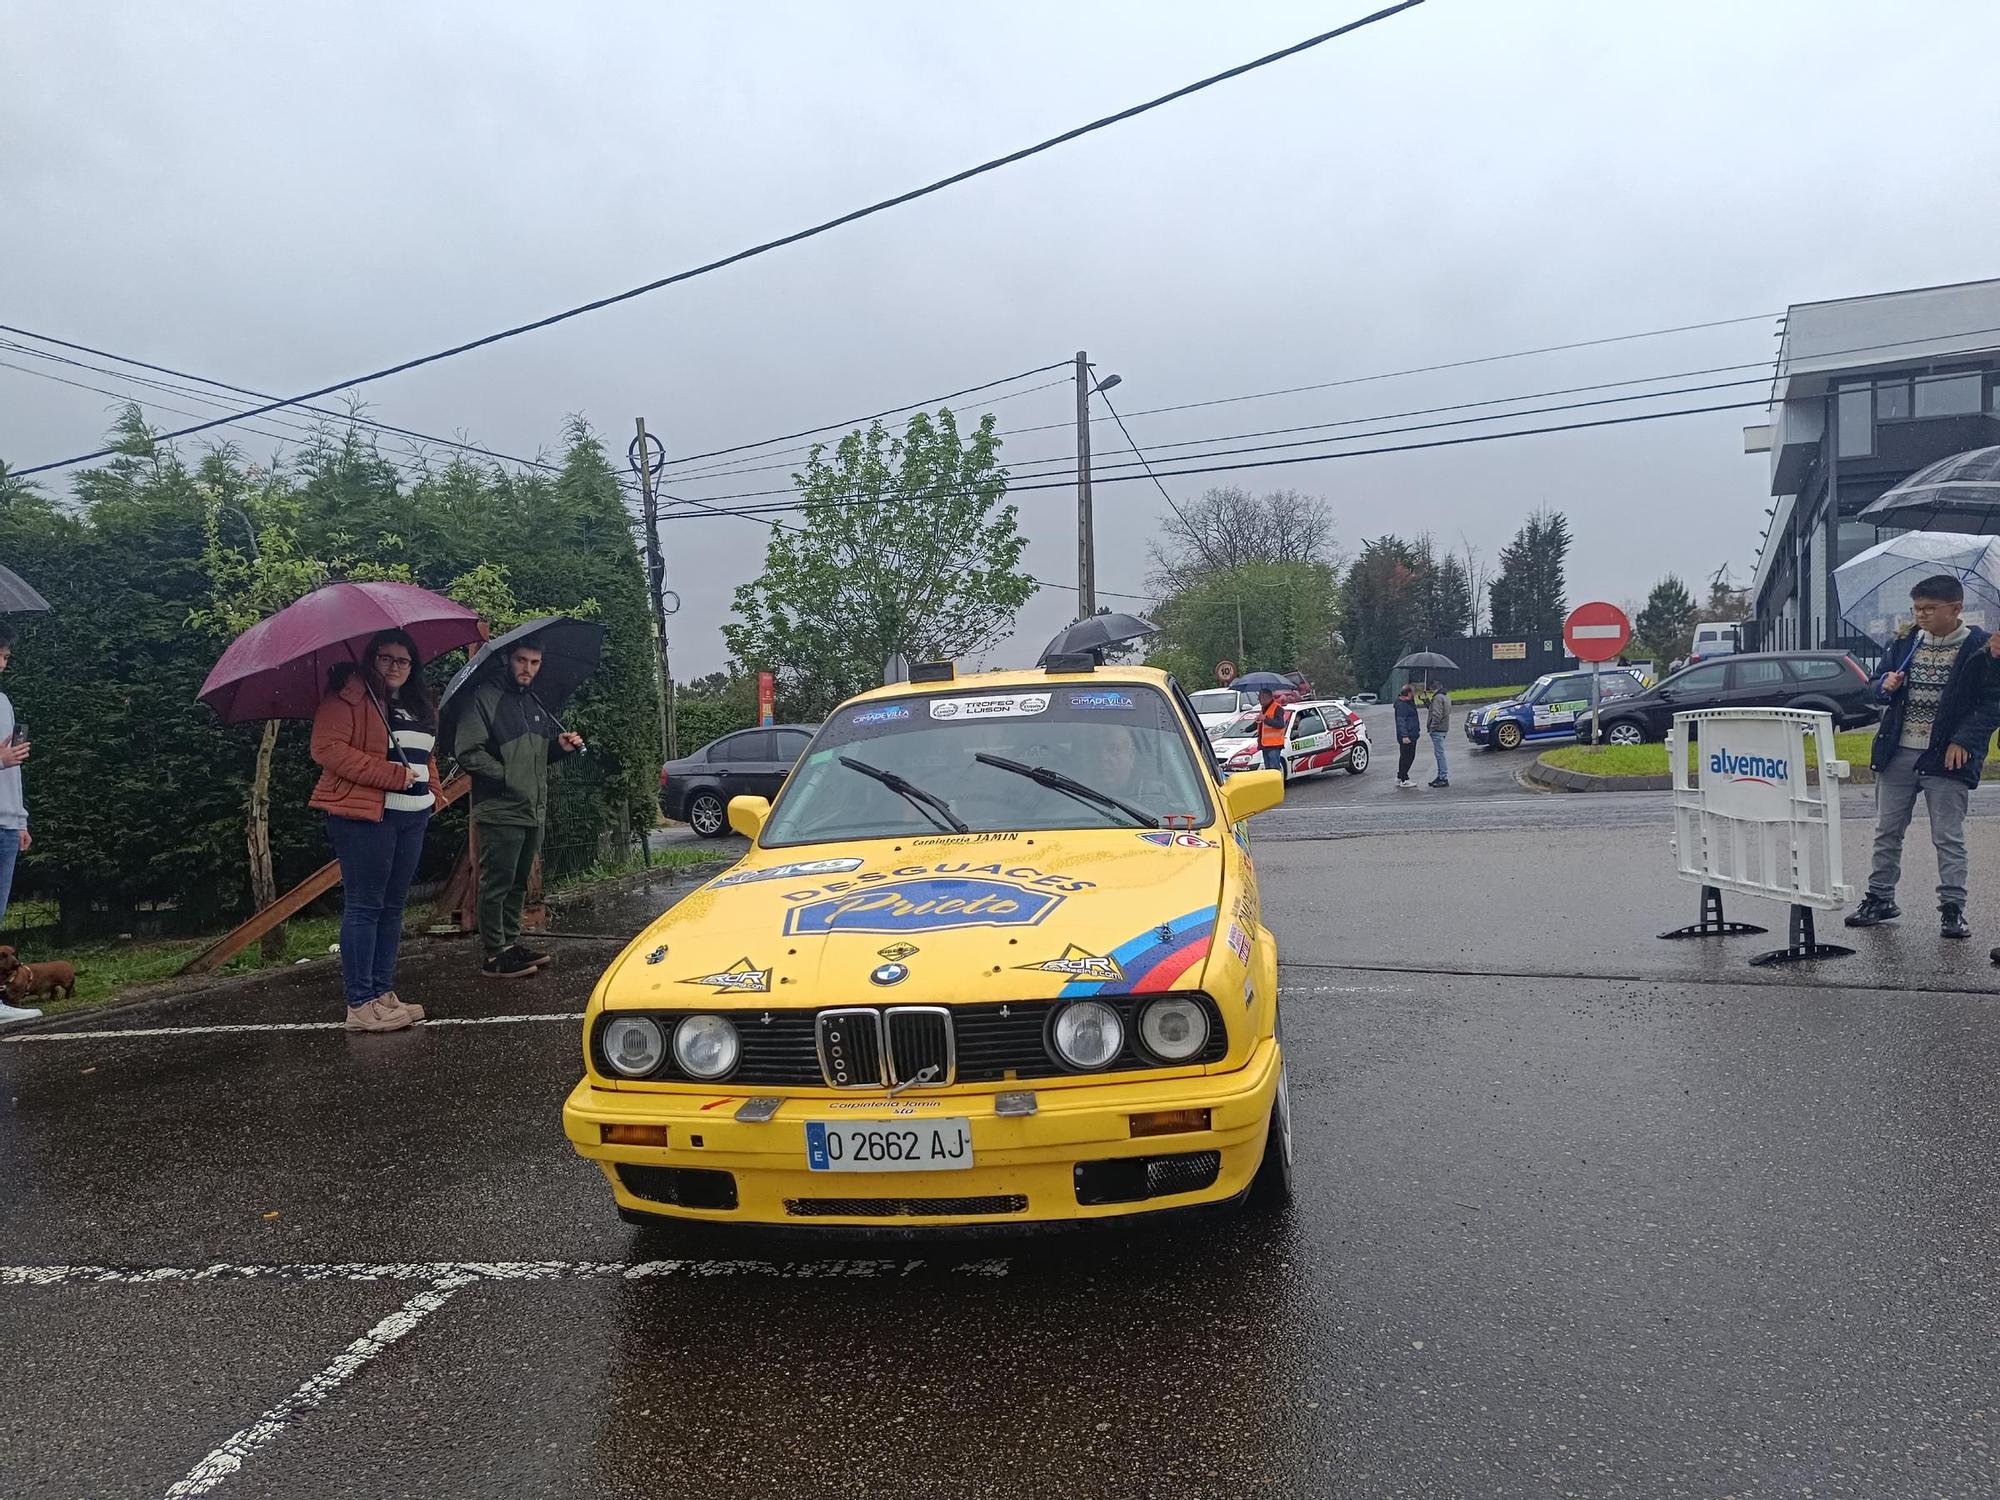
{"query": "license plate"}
[(888, 1145)]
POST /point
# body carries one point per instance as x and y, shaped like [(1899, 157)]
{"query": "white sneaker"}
[(17, 1013)]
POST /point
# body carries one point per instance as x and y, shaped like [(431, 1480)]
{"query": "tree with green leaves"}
[(1383, 609), (1665, 627), (1264, 616), (1444, 591), (1528, 598), (907, 548)]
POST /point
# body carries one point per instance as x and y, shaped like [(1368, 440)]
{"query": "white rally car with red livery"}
[(1321, 734)]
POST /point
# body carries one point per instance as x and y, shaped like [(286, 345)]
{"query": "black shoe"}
[(506, 966), (530, 956), (1951, 920), (1873, 909), (1995, 955)]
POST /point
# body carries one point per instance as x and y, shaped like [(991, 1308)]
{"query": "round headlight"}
[(706, 1046), (1088, 1034), (634, 1045), (1173, 1029)]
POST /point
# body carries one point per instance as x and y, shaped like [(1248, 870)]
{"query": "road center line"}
[(257, 1026), (466, 1272), (226, 1459)]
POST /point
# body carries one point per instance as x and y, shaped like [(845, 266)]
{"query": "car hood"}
[(948, 919), (1229, 745), (1494, 708)]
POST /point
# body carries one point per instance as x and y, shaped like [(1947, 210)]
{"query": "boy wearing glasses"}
[(1943, 705)]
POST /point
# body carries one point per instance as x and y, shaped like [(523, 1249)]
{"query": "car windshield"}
[(1216, 701), (1234, 729), (935, 761)]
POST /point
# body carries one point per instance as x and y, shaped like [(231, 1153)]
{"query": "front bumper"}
[(1479, 734), (1028, 1169)]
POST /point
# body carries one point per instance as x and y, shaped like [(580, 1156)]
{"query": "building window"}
[(1954, 395), (1892, 400), (1856, 421)]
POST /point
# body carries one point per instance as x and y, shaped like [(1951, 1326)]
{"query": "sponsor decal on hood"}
[(1081, 964), (1158, 959), (798, 870), (740, 978)]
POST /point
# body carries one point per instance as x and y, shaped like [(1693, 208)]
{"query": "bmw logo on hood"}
[(891, 974)]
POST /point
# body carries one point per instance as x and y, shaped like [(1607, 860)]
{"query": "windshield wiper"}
[(1070, 785), (930, 802)]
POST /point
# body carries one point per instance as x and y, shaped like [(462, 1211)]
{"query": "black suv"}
[(749, 763), (1830, 682)]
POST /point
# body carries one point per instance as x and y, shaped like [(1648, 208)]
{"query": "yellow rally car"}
[(994, 958)]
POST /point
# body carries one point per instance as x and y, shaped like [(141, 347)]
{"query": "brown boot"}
[(375, 1016)]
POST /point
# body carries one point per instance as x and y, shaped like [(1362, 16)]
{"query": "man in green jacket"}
[(503, 741)]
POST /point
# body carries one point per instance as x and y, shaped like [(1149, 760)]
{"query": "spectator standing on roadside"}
[(1943, 704), (14, 835), (373, 739), (1408, 726), (505, 740), (1437, 720), (1271, 729)]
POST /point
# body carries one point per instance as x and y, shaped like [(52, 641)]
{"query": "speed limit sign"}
[(1225, 672)]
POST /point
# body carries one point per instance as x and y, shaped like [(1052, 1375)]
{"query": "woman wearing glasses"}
[(372, 738)]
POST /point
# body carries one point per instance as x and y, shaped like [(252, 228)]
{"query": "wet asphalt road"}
[(1581, 1213)]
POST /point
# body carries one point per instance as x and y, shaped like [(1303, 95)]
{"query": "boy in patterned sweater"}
[(1943, 704)]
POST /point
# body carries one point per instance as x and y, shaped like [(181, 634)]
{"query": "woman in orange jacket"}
[(373, 738)]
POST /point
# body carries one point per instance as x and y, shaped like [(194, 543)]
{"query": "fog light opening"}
[(635, 1135), (1169, 1122)]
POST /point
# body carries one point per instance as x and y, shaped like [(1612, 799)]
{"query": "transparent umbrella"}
[(1960, 493), (1874, 588)]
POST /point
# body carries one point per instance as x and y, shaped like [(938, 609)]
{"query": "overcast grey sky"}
[(281, 196)]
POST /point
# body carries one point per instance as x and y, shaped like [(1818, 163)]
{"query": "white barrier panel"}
[(1745, 817)]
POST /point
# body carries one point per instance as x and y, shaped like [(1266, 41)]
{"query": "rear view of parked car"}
[(750, 763), (1829, 682)]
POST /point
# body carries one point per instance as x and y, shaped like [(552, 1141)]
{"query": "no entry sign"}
[(1597, 632)]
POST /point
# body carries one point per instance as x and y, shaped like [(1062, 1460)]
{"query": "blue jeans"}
[(1274, 757), (377, 863), (10, 851), (1437, 749)]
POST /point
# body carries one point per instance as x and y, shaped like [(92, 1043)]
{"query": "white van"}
[(1718, 637)]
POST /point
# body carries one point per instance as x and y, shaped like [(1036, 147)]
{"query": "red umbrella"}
[(277, 668)]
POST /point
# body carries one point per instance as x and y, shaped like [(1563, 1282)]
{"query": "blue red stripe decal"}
[(1151, 965)]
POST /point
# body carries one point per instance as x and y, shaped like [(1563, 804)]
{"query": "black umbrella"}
[(571, 651), (16, 597), (1429, 661), (1960, 493), (1256, 682), (1097, 633)]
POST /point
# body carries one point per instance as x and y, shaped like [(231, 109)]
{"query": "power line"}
[(880, 206), (1301, 458), (1533, 411), (354, 418), (1142, 459), (888, 411)]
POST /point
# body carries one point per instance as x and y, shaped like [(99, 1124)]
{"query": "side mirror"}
[(747, 815), (1247, 793)]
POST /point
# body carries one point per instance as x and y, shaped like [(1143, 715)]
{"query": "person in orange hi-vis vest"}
[(1271, 730)]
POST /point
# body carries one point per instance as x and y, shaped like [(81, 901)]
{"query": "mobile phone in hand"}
[(20, 733)]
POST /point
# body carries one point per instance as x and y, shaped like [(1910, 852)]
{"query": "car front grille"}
[(993, 1042), (904, 1208)]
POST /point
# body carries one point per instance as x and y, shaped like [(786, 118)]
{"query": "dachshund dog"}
[(30, 980), (9, 961)]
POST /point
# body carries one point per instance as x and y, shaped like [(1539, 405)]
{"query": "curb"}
[(1556, 779)]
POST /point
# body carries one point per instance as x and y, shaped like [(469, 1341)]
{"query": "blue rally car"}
[(1547, 710)]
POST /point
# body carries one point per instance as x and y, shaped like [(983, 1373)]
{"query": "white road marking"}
[(1597, 632), (257, 1026), (464, 1272), (227, 1458)]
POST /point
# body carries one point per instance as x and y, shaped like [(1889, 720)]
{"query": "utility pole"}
[(1086, 545), (656, 581)]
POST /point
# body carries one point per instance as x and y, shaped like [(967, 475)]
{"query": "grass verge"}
[(1460, 698), (1651, 760)]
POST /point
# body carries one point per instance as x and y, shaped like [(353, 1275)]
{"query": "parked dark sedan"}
[(749, 763), (1830, 682)]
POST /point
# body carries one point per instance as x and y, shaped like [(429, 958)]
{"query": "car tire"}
[(708, 814), (1271, 1188), (1357, 758), (1624, 732), (1507, 735)]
